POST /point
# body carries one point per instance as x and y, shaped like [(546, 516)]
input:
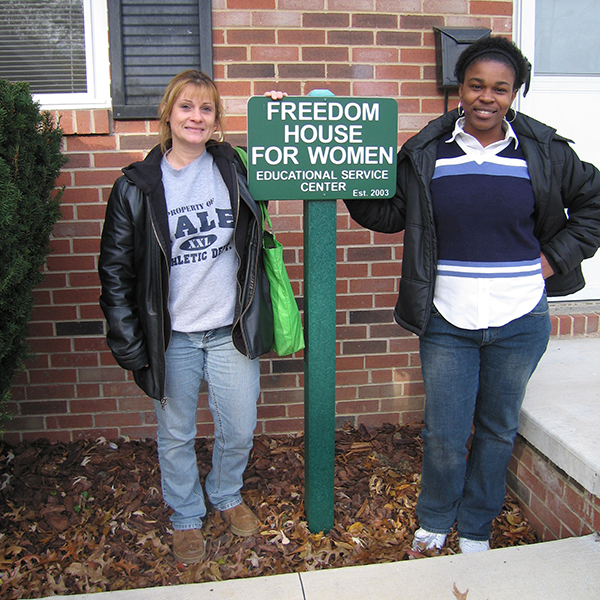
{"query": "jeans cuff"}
[(475, 538), (436, 530), (229, 504), (181, 527)]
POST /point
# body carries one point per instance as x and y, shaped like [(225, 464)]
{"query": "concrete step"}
[(561, 411), (561, 570)]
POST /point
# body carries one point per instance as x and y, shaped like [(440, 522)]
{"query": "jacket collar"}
[(525, 126), (146, 174), (431, 132)]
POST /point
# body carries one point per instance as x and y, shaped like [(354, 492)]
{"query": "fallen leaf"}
[(459, 595)]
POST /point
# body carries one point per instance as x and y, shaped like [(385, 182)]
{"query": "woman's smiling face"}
[(486, 95), (192, 119)]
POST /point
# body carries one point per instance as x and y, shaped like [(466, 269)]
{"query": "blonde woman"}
[(186, 299)]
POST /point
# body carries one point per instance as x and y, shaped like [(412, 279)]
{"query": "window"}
[(151, 41), (60, 47), (566, 39)]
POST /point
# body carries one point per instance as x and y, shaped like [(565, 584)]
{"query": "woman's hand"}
[(547, 270), (275, 94)]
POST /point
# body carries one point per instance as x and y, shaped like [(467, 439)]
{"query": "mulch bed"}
[(88, 516)]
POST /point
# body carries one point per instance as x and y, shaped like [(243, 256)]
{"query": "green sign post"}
[(321, 149)]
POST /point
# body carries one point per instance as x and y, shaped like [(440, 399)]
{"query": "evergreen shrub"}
[(30, 162)]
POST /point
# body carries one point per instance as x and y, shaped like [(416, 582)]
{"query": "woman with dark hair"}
[(187, 299), (498, 212)]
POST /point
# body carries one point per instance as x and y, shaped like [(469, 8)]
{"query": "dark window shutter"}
[(150, 42), (42, 43)]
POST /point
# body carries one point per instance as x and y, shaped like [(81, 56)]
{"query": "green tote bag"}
[(288, 334)]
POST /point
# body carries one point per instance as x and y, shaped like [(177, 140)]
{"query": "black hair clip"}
[(527, 78)]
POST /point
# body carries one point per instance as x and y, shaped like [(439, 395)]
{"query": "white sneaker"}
[(468, 546), (425, 540)]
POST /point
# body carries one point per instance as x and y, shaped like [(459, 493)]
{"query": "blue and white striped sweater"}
[(453, 268), (483, 208), (489, 265), (495, 166)]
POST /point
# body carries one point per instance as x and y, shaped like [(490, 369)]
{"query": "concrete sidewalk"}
[(561, 570)]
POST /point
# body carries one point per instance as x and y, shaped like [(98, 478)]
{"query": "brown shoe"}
[(241, 520), (188, 546)]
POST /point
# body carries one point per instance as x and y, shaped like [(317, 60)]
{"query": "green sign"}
[(303, 148)]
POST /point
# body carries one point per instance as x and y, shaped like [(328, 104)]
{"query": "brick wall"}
[(555, 505), (74, 389), (574, 325)]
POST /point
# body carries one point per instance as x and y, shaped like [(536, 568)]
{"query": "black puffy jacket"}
[(134, 266), (560, 181)]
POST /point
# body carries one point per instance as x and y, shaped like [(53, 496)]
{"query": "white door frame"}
[(555, 100)]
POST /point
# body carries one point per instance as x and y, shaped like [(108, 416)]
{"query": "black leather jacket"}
[(134, 267), (560, 181)]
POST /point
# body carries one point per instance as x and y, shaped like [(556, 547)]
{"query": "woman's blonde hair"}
[(204, 84)]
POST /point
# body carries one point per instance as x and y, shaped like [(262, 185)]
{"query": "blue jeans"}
[(473, 377), (233, 390)]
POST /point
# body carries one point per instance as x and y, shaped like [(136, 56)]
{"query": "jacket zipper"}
[(163, 399), (431, 224), (237, 216)]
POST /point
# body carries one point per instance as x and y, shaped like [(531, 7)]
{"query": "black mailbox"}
[(449, 44)]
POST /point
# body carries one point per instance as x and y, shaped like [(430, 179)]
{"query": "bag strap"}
[(243, 156), (263, 205), (265, 214)]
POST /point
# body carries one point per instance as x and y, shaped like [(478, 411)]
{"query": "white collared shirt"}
[(471, 146)]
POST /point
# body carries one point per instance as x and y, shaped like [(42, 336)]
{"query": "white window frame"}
[(524, 12), (95, 23)]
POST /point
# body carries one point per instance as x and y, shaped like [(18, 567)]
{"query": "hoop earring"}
[(513, 117), (461, 110)]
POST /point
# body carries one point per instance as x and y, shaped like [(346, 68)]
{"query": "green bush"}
[(30, 162)]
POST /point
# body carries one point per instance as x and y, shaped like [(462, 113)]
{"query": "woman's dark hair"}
[(498, 49)]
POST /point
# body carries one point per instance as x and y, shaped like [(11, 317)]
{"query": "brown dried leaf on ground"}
[(88, 516), (459, 595)]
